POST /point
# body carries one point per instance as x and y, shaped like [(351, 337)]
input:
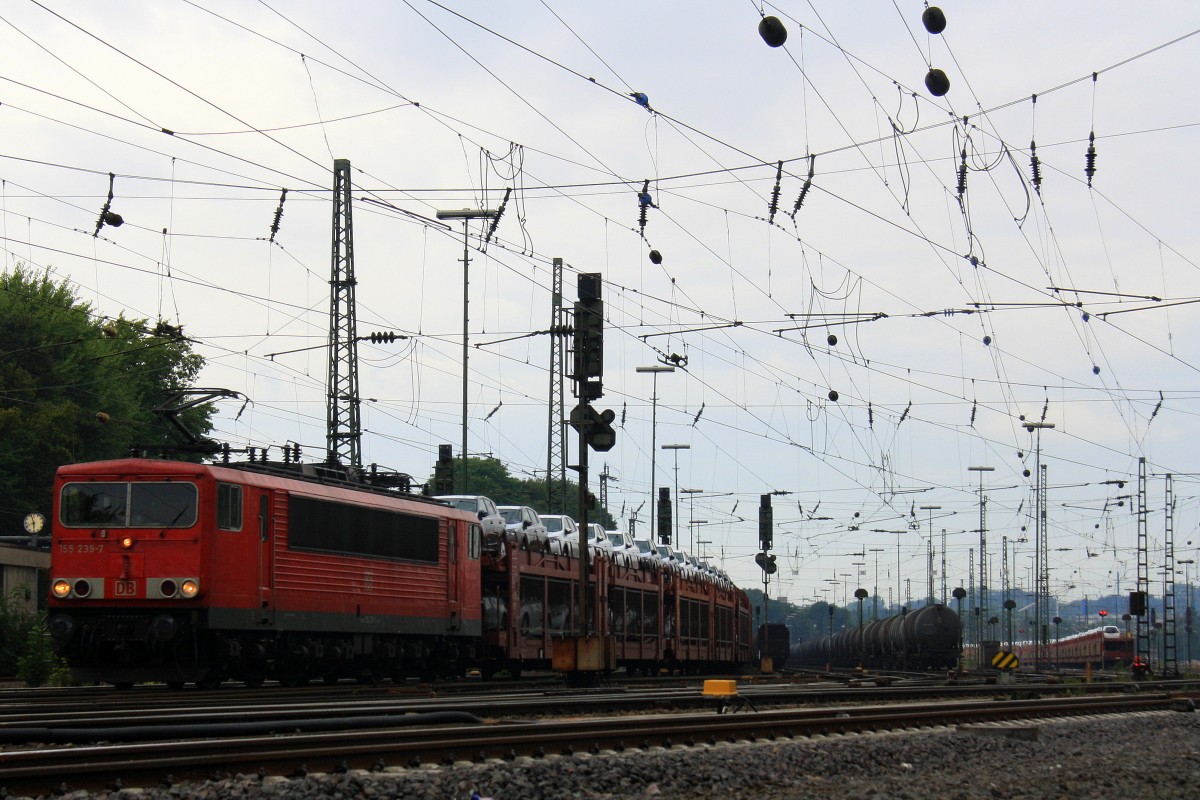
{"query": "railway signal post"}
[(766, 524), (584, 656)]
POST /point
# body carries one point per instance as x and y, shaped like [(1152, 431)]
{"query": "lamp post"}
[(691, 493), (899, 601), (931, 509), (829, 642), (654, 370), (676, 448), (1058, 638), (1041, 595), (845, 598), (959, 593), (1009, 605), (1187, 614), (466, 215), (982, 603), (861, 594), (875, 597)]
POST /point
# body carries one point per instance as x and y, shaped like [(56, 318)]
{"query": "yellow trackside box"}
[(720, 688)]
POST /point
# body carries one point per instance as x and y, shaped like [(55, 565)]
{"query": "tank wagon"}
[(774, 640), (927, 638)]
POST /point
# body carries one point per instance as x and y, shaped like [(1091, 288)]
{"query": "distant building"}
[(23, 576)]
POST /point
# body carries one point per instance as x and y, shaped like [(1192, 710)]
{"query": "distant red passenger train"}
[(182, 573)]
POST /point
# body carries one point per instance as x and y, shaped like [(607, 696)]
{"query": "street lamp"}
[(1058, 638), (1187, 617), (875, 598), (983, 570), (959, 593), (899, 602), (931, 509), (676, 448), (861, 594), (1041, 595), (466, 215), (654, 370), (1009, 605), (691, 493), (829, 640)]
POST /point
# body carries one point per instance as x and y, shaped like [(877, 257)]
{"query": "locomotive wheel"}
[(175, 686), (254, 681), (123, 686)]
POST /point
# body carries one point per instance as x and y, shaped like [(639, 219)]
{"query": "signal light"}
[(766, 523), (589, 333), (189, 588), (1103, 613), (664, 515), (1137, 604), (596, 426), (126, 542), (443, 470), (766, 563)]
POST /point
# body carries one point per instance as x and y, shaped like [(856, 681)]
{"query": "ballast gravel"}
[(1147, 756)]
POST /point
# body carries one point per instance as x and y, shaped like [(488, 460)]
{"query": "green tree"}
[(75, 386)]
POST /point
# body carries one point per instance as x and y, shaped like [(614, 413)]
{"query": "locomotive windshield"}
[(129, 505)]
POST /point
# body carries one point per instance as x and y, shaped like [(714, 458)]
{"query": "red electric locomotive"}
[(178, 572)]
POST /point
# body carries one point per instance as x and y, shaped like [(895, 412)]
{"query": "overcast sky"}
[(955, 312)]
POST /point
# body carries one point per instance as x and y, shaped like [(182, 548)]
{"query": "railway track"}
[(68, 712), (435, 738)]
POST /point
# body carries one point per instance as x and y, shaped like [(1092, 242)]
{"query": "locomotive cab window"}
[(120, 504), (474, 541), (229, 507)]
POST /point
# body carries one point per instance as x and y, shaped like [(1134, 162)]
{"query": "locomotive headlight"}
[(61, 588), (189, 588), (168, 587), (126, 542)]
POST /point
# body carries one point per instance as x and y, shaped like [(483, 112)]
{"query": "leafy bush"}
[(39, 665), (25, 649), (15, 622)]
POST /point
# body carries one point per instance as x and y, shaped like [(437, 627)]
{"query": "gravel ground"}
[(1147, 756)]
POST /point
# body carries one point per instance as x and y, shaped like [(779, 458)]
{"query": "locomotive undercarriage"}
[(180, 649)]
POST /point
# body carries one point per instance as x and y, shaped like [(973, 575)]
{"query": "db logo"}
[(124, 588)]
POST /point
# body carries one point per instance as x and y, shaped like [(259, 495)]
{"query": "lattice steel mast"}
[(556, 450), (1143, 568), (343, 429), (1170, 665)]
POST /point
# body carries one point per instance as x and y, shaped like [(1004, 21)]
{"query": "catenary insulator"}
[(772, 31), (937, 82), (934, 19)]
